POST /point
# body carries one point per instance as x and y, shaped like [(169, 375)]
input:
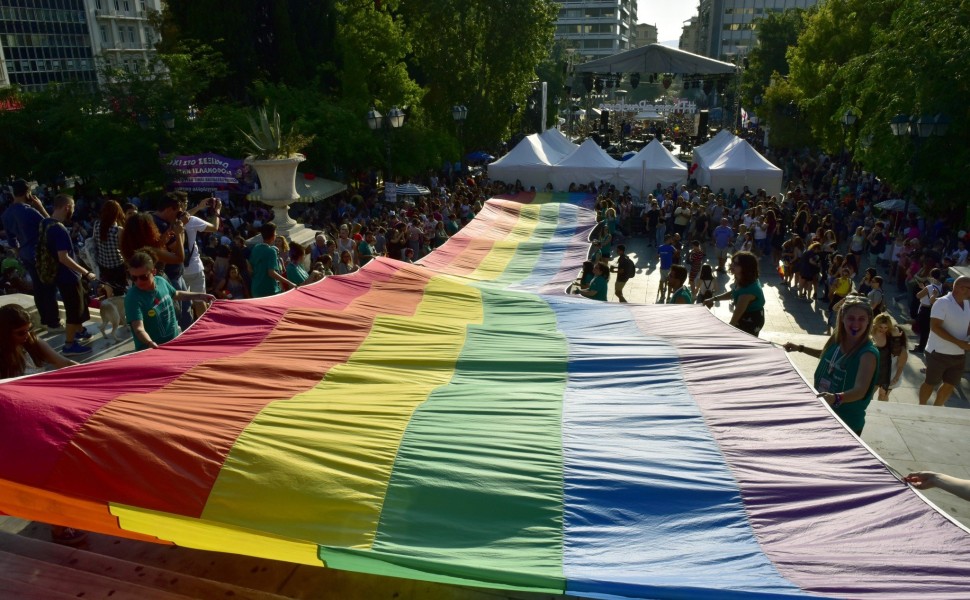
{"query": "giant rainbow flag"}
[(464, 421)]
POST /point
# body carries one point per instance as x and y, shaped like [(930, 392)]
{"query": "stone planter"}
[(277, 181)]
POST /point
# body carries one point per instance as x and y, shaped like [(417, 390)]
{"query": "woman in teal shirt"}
[(598, 284), (676, 281), (294, 269), (848, 368), (747, 295)]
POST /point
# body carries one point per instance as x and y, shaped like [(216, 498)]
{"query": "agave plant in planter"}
[(275, 156), (268, 141)]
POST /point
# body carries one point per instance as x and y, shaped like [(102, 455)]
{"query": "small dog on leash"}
[(112, 313)]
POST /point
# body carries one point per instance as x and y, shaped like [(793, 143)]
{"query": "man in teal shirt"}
[(267, 278)]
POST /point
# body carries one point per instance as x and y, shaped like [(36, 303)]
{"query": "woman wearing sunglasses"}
[(150, 303), (23, 353)]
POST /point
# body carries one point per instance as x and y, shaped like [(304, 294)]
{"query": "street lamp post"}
[(459, 113), (848, 120), (378, 122), (917, 129)]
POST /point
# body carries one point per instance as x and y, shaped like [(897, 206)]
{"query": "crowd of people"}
[(204, 248)]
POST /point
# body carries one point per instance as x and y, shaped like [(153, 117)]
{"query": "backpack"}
[(631, 269), (46, 260)]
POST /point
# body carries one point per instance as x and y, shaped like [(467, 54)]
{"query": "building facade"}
[(46, 41), (597, 28), (727, 28), (121, 33), (646, 34), (690, 40), (62, 41)]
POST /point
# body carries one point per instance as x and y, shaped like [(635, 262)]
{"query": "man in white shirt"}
[(194, 273), (947, 346)]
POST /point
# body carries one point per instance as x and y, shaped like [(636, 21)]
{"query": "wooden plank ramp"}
[(110, 567), (32, 567)]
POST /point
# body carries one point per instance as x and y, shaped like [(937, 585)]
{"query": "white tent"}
[(741, 165), (587, 163), (710, 150), (529, 162), (652, 164), (555, 139)]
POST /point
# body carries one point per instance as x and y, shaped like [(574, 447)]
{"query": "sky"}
[(667, 15)]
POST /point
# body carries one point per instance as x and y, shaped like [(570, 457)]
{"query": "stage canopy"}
[(656, 58), (462, 420)]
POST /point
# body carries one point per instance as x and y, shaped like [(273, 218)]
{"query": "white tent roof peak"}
[(652, 164), (555, 139), (588, 154), (738, 166), (529, 162), (743, 155), (707, 153), (530, 151)]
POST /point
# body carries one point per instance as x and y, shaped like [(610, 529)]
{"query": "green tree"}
[(21, 145), (883, 57), (823, 65), (371, 51), (782, 115), (285, 41), (917, 67), (479, 53), (776, 34)]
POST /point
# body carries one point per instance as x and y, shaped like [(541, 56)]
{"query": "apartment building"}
[(60, 41), (728, 28), (45, 41), (598, 28)]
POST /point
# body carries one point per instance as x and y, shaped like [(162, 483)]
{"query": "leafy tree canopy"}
[(883, 57), (776, 34), (479, 53)]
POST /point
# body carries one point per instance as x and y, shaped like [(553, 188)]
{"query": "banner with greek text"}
[(207, 172)]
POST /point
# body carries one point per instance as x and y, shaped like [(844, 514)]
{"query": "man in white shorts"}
[(947, 345)]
